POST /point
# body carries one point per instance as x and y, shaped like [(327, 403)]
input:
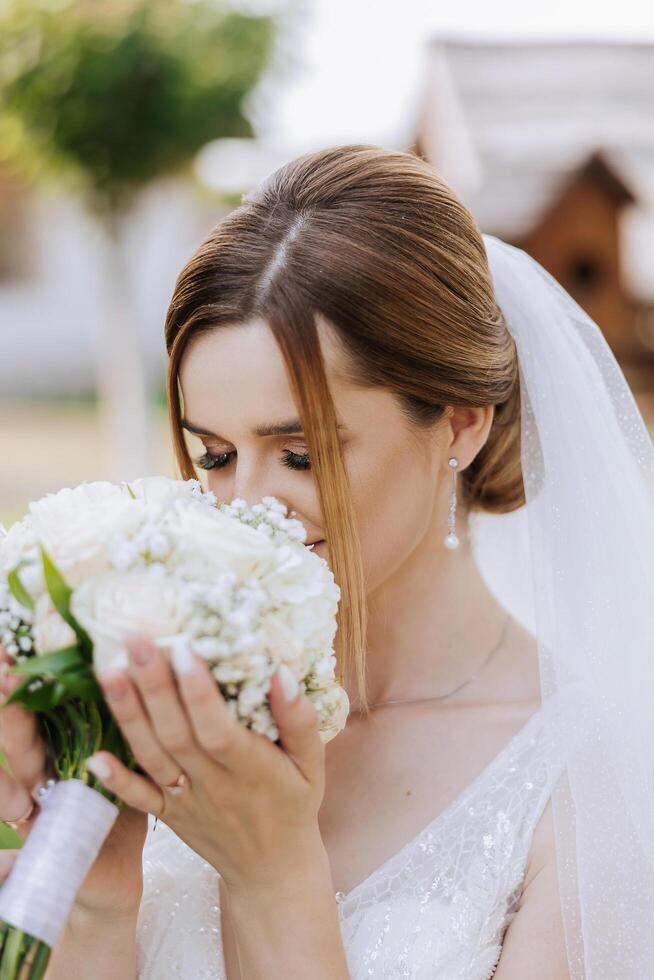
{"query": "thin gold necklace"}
[(439, 697)]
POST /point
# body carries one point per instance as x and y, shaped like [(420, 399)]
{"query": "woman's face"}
[(234, 383)]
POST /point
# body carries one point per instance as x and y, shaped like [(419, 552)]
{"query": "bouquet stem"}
[(36, 898), (24, 957), (74, 821)]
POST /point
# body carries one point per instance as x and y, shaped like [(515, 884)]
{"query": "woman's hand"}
[(248, 806), (115, 882)]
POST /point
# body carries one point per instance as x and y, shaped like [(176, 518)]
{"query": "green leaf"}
[(84, 687), (58, 590), (114, 741), (18, 590), (60, 594), (55, 732), (17, 696), (41, 700), (130, 491), (50, 663), (95, 724)]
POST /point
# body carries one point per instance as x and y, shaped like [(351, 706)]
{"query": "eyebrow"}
[(275, 429)]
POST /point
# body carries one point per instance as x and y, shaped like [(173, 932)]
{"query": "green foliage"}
[(124, 91), (18, 590), (61, 688), (60, 594)]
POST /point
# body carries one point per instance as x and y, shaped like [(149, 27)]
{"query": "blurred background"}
[(127, 129)]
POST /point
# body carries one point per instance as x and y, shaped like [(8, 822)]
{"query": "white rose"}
[(303, 585), (208, 538), (32, 578), (297, 574), (75, 526), (278, 640), (114, 604), (18, 542), (160, 492), (50, 631), (333, 707), (314, 621)]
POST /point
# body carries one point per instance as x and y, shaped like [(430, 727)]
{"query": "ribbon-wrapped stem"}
[(38, 895)]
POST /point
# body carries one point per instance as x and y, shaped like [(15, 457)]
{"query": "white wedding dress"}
[(436, 910)]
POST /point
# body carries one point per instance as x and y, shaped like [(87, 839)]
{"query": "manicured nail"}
[(290, 686), (140, 652), (98, 767), (182, 659)]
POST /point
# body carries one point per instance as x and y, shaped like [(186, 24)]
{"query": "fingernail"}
[(290, 686), (182, 659), (140, 652), (98, 767)]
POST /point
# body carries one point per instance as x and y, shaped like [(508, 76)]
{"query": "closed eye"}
[(211, 461)]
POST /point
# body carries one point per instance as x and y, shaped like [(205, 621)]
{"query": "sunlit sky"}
[(359, 62)]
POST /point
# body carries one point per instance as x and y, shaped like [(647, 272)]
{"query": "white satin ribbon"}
[(54, 860)]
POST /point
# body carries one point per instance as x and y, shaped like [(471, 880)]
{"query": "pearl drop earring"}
[(451, 541)]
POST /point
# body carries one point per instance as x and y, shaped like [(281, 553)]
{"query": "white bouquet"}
[(90, 565)]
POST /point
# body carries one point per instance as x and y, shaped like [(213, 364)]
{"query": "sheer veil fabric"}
[(578, 561)]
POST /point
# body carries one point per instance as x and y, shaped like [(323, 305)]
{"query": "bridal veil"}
[(580, 556)]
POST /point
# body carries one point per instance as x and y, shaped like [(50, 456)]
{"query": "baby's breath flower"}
[(230, 581)]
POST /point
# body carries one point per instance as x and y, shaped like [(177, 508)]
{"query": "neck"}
[(431, 623)]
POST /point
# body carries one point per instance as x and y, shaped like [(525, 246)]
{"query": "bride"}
[(464, 451)]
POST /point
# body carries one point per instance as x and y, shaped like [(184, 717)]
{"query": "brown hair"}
[(379, 245)]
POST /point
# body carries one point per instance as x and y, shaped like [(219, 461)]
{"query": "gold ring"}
[(14, 824), (176, 787)]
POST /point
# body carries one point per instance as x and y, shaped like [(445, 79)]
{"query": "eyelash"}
[(209, 461)]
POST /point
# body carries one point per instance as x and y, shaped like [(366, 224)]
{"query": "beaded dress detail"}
[(436, 910)]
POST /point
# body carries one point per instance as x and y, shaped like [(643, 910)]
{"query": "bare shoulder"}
[(534, 943)]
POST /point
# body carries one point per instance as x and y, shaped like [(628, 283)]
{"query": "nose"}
[(251, 484)]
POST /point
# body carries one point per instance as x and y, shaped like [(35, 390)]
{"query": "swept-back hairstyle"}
[(379, 245)]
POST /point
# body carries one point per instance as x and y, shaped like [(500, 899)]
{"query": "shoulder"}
[(534, 943)]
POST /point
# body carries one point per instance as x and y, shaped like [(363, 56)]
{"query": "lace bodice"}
[(436, 910)]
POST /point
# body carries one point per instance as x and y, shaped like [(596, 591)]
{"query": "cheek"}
[(394, 506)]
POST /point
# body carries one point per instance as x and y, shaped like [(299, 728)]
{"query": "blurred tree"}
[(108, 97)]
